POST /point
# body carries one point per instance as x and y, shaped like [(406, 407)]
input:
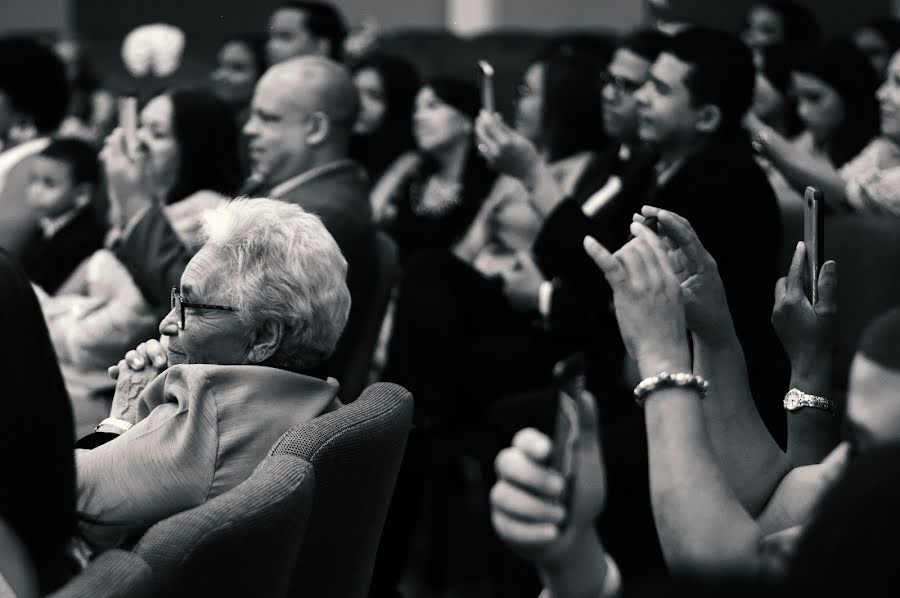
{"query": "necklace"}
[(438, 197)]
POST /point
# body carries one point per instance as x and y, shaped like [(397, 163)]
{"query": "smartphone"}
[(487, 85), (128, 123), (814, 239), (569, 377)]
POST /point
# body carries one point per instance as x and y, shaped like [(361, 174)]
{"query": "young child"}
[(60, 191)]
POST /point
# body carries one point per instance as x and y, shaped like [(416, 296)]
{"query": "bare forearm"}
[(701, 523), (801, 170), (751, 461), (582, 575)]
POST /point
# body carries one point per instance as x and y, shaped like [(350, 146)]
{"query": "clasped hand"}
[(132, 375)]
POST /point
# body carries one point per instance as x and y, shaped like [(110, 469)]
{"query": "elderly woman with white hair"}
[(259, 307)]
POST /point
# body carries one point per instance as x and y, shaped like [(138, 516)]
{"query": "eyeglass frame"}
[(621, 85), (176, 294)]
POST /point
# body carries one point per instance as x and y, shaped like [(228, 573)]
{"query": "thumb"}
[(828, 279)]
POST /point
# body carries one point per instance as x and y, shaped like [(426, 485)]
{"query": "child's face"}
[(50, 189)]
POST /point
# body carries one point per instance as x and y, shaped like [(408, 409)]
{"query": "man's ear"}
[(22, 129), (709, 118), (323, 47), (318, 128), (265, 342)]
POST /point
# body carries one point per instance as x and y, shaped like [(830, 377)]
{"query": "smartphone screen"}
[(128, 123), (814, 239), (487, 85), (569, 376)]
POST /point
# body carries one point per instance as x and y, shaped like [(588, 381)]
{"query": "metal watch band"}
[(797, 399)]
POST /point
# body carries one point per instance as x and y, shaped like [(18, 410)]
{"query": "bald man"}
[(301, 118)]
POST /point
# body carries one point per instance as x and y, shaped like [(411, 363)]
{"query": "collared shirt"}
[(17, 153), (51, 226), (289, 185)]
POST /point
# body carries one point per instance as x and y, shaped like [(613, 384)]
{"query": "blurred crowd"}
[(210, 269)]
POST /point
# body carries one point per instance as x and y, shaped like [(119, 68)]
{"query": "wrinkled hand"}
[(130, 180), (507, 151), (522, 284), (147, 354), (705, 304), (529, 509), (807, 332), (648, 301)]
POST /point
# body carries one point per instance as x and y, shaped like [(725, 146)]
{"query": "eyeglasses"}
[(619, 84), (178, 304)]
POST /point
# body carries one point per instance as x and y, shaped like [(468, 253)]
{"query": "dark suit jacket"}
[(156, 258), (49, 262)]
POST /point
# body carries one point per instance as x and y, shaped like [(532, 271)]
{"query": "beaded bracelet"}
[(663, 380)]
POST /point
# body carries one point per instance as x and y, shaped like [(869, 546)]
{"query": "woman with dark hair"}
[(834, 86), (435, 200), (387, 90), (188, 153), (37, 501), (240, 63)]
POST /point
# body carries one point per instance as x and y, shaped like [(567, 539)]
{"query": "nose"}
[(608, 93), (641, 96), (250, 127), (881, 93), (169, 324)]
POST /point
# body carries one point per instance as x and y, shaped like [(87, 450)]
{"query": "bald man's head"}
[(315, 83), (303, 113)]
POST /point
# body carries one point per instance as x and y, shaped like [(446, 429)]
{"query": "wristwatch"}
[(795, 400)]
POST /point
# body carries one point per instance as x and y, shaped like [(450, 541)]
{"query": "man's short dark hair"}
[(721, 72), (80, 155), (33, 79), (646, 43), (324, 21)]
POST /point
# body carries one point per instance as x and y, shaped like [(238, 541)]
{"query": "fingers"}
[(780, 289), (795, 272), (682, 234), (521, 532), (521, 504), (156, 353), (828, 280), (533, 443), (612, 268), (113, 371), (136, 358), (517, 468), (652, 242), (587, 415), (835, 463), (487, 144)]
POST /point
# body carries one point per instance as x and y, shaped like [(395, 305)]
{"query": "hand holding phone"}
[(128, 123), (487, 85), (569, 376), (814, 239)]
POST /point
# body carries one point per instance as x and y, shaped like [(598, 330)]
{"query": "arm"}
[(154, 256), (807, 333), (749, 458), (700, 521), (798, 168)]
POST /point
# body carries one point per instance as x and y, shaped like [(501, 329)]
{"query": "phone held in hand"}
[(569, 377), (487, 85), (128, 123), (814, 239)]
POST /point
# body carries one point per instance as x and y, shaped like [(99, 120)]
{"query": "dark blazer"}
[(49, 262), (156, 258)]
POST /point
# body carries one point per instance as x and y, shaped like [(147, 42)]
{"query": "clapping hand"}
[(507, 151), (807, 332), (648, 301), (705, 304), (530, 510)]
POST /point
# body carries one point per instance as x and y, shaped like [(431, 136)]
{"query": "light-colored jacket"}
[(201, 430)]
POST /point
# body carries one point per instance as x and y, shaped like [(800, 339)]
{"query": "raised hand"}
[(507, 151), (130, 179), (648, 301), (529, 507), (705, 304), (807, 332)]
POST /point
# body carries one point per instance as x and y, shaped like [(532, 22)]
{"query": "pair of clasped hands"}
[(664, 284)]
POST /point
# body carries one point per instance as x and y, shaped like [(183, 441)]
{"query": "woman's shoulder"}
[(17, 575)]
